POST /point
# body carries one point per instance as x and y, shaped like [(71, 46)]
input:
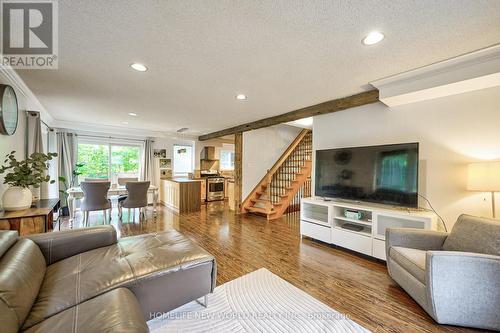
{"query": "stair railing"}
[(266, 181)]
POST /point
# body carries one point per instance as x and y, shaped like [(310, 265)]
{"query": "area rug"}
[(256, 302)]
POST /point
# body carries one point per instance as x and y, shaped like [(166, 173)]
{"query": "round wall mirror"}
[(8, 110)]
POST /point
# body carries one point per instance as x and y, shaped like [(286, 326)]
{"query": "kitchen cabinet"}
[(230, 194), (181, 195), (203, 190)]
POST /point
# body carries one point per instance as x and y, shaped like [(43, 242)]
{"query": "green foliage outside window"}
[(95, 157), (95, 160), (124, 159)]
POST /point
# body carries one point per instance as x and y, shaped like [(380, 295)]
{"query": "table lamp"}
[(485, 177)]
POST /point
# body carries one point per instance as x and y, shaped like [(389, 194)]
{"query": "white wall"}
[(452, 131), (168, 144), (261, 149), (16, 141)]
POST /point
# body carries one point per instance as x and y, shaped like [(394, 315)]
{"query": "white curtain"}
[(147, 165), (35, 145), (35, 141), (67, 154)]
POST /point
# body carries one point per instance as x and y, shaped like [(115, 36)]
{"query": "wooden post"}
[(238, 170)]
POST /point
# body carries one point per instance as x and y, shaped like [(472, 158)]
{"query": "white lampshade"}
[(484, 176)]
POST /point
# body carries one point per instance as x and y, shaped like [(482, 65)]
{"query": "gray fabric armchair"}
[(454, 277)]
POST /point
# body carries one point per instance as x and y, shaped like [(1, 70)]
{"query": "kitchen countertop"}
[(183, 180)]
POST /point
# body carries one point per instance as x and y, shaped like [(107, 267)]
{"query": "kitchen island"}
[(181, 194)]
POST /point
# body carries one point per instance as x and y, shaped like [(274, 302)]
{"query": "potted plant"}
[(63, 188), (76, 173), (20, 175)]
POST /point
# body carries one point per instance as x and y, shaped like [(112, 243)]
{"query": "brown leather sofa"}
[(86, 280)]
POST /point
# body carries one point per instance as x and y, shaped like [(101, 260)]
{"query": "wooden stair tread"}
[(260, 200), (259, 210)]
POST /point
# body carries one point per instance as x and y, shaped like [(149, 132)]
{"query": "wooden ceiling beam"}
[(335, 105)]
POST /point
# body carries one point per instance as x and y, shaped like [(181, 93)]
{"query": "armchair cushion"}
[(414, 238), (57, 246), (412, 260), (474, 234)]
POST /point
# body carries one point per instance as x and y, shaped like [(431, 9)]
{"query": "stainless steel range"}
[(215, 188)]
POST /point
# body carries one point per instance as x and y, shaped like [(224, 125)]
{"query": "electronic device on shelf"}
[(353, 214), (352, 227)]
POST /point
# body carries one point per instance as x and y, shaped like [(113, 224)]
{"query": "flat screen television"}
[(385, 174)]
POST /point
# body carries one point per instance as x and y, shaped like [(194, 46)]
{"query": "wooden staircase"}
[(280, 190)]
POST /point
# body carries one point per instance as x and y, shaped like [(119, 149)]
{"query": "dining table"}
[(75, 193)]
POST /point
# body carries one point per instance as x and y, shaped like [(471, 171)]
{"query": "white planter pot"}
[(17, 198)]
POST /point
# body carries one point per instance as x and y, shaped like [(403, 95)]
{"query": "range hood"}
[(207, 153)]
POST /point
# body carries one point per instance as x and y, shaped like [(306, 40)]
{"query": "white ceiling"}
[(283, 54)]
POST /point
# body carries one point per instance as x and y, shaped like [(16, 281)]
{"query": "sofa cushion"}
[(474, 234), (114, 311), (126, 263), (412, 260), (22, 268), (7, 239)]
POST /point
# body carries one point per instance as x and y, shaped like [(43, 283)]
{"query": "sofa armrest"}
[(464, 282), (414, 238), (59, 245)]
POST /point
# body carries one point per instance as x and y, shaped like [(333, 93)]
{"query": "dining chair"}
[(93, 180), (137, 197), (122, 182), (95, 198)]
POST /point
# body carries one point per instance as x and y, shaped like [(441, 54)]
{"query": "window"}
[(227, 160), (183, 159), (226, 156), (95, 158), (125, 162), (108, 161)]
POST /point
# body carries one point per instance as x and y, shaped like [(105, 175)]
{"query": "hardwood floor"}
[(351, 284)]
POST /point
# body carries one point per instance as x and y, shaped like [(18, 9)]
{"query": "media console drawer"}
[(379, 249), (352, 241), (315, 231)]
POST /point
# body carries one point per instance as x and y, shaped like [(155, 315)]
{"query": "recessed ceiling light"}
[(139, 67), (125, 122), (373, 38), (132, 114), (182, 130), (241, 97)]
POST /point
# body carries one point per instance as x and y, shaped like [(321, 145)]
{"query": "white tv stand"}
[(323, 220)]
